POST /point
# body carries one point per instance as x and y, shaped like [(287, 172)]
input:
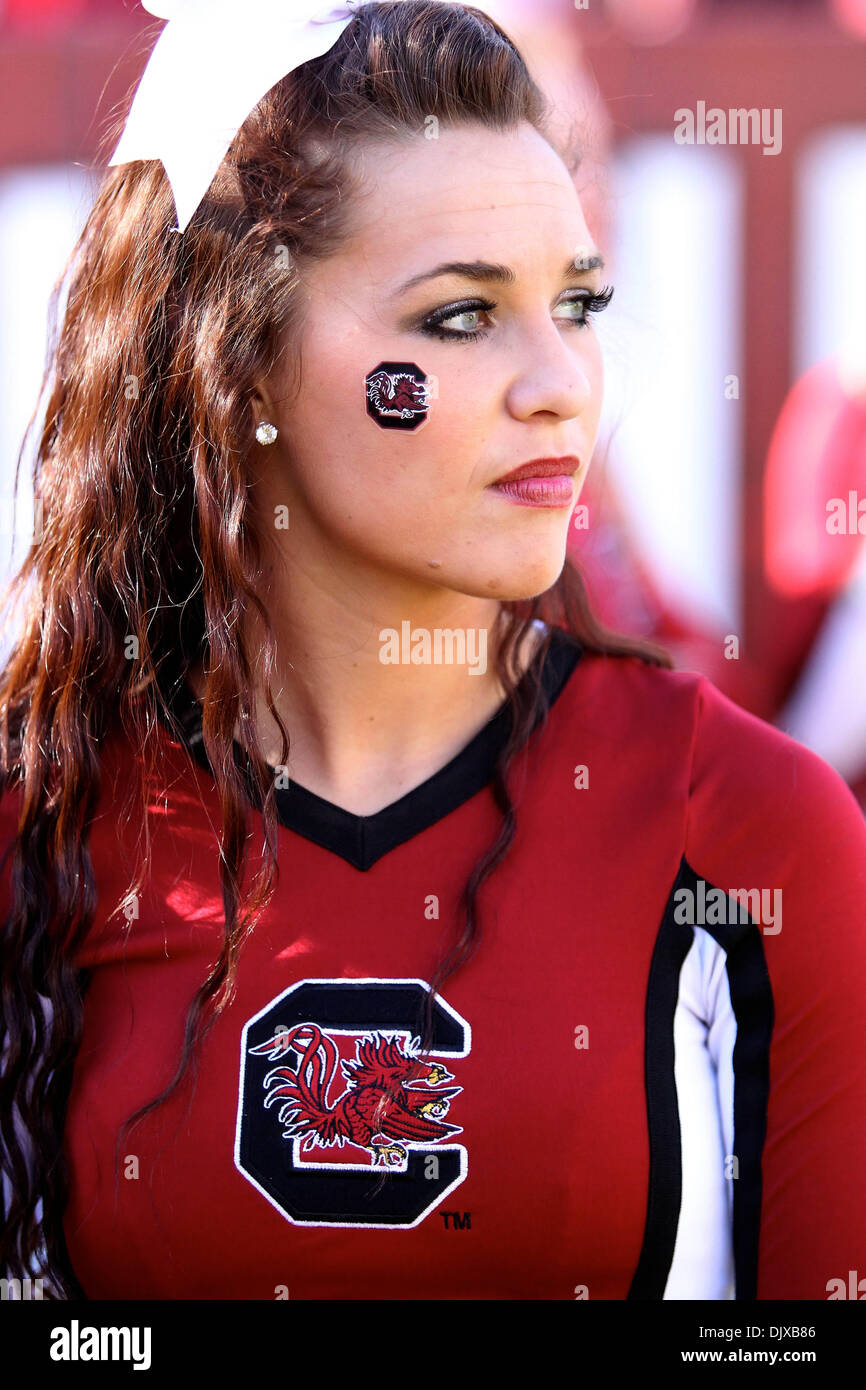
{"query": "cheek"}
[(593, 367), (376, 443), (597, 368)]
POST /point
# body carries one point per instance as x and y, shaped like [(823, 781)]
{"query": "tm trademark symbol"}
[(457, 1220)]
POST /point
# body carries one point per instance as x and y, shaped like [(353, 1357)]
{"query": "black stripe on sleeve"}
[(752, 1004)]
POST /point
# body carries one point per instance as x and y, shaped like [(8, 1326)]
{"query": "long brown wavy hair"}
[(147, 557)]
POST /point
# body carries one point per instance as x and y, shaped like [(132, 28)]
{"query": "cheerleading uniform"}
[(649, 1081)]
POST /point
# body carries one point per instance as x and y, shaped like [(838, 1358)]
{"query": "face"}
[(513, 364)]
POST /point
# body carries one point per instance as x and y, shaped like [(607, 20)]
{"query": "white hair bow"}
[(212, 63)]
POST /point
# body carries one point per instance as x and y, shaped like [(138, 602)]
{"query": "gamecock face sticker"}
[(397, 396)]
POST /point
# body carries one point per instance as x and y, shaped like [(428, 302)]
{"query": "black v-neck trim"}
[(363, 840)]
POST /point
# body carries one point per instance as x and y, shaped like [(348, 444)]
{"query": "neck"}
[(363, 730)]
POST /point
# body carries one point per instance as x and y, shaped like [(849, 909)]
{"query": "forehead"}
[(470, 191)]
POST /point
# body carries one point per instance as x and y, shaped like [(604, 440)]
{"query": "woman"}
[(284, 435)]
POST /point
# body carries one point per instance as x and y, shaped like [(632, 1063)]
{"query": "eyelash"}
[(593, 304)]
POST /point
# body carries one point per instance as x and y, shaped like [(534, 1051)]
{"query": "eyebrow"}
[(496, 274)]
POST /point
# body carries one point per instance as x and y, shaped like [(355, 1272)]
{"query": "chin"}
[(512, 582)]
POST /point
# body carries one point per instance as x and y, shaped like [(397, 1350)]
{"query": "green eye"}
[(465, 314), (469, 310), (589, 303)]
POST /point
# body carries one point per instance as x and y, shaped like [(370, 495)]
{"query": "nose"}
[(560, 372)]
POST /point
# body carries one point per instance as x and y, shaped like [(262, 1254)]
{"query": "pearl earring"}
[(266, 433)]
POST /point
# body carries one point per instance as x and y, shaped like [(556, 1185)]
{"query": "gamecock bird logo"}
[(398, 395), (380, 1110)]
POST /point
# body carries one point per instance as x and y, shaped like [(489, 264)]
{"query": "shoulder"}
[(754, 789), (746, 789), (732, 752)]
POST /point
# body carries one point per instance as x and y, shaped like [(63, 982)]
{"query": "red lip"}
[(542, 468)]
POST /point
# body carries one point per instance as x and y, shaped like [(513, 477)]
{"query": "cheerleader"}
[(377, 925)]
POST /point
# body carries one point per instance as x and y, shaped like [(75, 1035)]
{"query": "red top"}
[(638, 1089)]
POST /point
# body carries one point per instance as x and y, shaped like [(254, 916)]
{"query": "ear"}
[(263, 404)]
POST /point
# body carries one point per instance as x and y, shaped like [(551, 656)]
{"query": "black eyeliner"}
[(593, 304)]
